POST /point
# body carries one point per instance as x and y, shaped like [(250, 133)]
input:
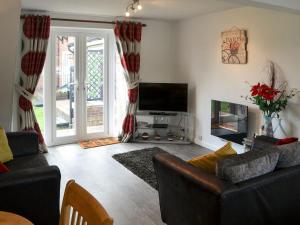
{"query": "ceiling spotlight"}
[(133, 7)]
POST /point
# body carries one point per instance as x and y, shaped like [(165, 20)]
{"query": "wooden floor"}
[(127, 198)]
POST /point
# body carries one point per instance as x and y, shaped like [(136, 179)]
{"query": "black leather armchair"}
[(32, 187), (190, 196)]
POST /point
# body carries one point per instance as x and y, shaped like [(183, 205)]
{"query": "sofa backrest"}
[(269, 199)]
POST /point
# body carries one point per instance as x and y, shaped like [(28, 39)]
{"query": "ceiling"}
[(154, 9), (292, 6)]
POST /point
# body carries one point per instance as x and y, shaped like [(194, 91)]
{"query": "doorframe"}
[(80, 58)]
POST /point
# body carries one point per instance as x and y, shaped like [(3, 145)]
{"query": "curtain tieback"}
[(26, 94), (134, 84)]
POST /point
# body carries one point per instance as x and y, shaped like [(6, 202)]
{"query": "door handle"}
[(75, 84)]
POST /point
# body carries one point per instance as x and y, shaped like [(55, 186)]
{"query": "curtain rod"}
[(83, 21)]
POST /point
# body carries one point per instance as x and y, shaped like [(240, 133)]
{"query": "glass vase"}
[(268, 128)]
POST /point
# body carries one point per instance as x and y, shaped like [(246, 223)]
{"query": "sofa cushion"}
[(208, 162), (289, 155), (3, 168), (23, 143), (5, 151), (25, 162), (246, 166), (286, 141), (263, 142)]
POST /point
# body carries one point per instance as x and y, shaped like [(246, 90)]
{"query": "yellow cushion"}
[(208, 162), (5, 151)]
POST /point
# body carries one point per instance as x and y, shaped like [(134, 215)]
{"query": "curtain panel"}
[(128, 38), (35, 35)]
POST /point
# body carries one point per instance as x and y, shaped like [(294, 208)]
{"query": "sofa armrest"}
[(32, 193), (187, 195), (23, 143)]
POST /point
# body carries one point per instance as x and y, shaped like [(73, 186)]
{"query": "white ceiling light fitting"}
[(133, 7)]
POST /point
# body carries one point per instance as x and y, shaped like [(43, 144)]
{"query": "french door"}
[(79, 84)]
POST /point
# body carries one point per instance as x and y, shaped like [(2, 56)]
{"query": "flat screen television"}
[(163, 97), (229, 121)]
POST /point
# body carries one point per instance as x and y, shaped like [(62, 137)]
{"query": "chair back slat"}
[(81, 208), (79, 219), (73, 217)]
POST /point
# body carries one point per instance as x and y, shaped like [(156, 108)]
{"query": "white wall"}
[(272, 36), (158, 52), (9, 25)]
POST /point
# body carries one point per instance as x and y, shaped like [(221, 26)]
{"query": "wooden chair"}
[(79, 207)]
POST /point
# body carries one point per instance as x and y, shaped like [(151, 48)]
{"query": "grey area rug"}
[(140, 163)]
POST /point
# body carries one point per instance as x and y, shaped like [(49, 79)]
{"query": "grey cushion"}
[(289, 155), (26, 162), (251, 164), (263, 142)]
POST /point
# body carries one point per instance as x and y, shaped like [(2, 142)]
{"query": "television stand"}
[(163, 113), (162, 127)]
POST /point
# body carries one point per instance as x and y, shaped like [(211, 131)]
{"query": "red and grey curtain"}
[(35, 37), (128, 37)]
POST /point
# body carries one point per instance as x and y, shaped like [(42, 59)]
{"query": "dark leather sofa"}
[(32, 187), (190, 196)]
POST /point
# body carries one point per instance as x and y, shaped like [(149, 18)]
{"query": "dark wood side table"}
[(7, 218)]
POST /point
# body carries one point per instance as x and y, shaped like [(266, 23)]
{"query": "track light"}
[(133, 7)]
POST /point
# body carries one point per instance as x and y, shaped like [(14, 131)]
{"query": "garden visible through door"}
[(79, 89)]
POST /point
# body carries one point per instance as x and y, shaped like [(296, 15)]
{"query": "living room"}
[(181, 45)]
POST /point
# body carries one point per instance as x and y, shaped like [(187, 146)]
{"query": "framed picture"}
[(234, 46)]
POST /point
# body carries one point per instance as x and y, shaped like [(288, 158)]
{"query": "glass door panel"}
[(94, 85), (78, 86), (65, 90)]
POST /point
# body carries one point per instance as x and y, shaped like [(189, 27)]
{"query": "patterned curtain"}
[(35, 37), (128, 37)]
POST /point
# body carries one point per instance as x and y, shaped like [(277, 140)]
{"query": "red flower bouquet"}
[(264, 91), (271, 100)]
